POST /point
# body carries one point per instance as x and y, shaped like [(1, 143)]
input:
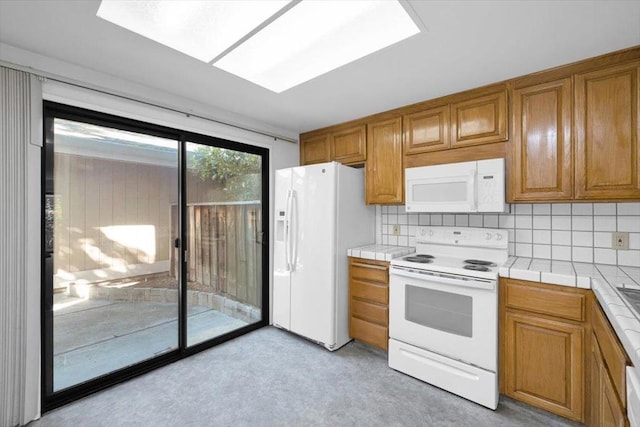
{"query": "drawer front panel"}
[(370, 312), (370, 333), (560, 303), (370, 291), (370, 272)]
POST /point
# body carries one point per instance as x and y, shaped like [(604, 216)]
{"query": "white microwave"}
[(456, 187)]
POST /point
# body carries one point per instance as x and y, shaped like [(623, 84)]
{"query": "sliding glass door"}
[(152, 249), (224, 225)]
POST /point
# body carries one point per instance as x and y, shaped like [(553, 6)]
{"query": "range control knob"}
[(488, 236), (430, 232), (498, 236)]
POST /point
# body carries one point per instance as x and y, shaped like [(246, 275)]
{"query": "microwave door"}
[(442, 194)]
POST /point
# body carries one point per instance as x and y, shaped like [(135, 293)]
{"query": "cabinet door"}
[(314, 149), (384, 173), (611, 411), (349, 145), (426, 131), (479, 120), (606, 408), (596, 366), (606, 123), (544, 363), (541, 146), (613, 354)]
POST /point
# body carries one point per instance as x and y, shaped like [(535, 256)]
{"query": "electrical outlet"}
[(396, 230), (620, 240)]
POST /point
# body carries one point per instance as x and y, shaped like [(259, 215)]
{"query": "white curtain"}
[(19, 247)]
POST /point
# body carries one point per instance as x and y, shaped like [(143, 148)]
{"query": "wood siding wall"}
[(92, 194), (225, 253)]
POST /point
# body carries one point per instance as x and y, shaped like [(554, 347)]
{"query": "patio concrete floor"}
[(95, 337)]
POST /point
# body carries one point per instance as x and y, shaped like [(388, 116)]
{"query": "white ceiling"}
[(468, 44)]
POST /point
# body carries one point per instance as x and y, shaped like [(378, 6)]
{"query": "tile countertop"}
[(603, 279), (380, 252)]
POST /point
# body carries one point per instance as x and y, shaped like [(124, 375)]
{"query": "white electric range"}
[(443, 310)]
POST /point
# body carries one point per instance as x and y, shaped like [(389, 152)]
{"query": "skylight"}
[(199, 28), (274, 44)]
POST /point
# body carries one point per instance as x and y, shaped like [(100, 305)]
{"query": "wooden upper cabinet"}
[(480, 120), (383, 170), (349, 145), (606, 125), (314, 149), (541, 167), (426, 131)]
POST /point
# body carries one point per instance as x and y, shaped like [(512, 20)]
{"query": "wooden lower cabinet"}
[(608, 361), (369, 301), (544, 365), (542, 346), (559, 352), (605, 406)]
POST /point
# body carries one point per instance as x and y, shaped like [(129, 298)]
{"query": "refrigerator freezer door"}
[(281, 270), (313, 295)]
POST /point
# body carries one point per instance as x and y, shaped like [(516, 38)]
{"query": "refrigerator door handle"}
[(294, 227), (287, 226)]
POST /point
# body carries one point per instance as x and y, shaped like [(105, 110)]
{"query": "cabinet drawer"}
[(370, 312), (545, 300), (369, 272), (370, 291), (370, 333), (613, 354)]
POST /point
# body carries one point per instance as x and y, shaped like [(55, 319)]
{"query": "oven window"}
[(440, 192), (439, 310)]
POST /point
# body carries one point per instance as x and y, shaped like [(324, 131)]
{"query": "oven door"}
[(457, 320)]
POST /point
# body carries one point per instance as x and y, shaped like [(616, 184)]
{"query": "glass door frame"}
[(51, 110)]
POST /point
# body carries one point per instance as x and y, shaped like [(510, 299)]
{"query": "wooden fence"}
[(225, 254)]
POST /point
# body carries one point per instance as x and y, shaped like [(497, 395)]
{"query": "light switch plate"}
[(396, 230), (620, 240)]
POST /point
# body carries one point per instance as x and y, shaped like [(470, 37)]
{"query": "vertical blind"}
[(15, 134)]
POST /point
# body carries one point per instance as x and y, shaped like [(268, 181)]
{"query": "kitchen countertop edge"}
[(380, 252)]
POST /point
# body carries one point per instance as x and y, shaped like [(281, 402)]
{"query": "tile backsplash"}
[(563, 231)]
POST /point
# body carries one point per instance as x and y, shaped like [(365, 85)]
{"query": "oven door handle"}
[(443, 278)]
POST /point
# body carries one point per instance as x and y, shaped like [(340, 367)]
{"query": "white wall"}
[(11, 56)]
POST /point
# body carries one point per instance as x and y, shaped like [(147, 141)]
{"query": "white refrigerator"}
[(319, 214)]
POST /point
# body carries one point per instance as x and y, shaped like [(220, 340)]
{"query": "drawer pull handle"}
[(375, 267)]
